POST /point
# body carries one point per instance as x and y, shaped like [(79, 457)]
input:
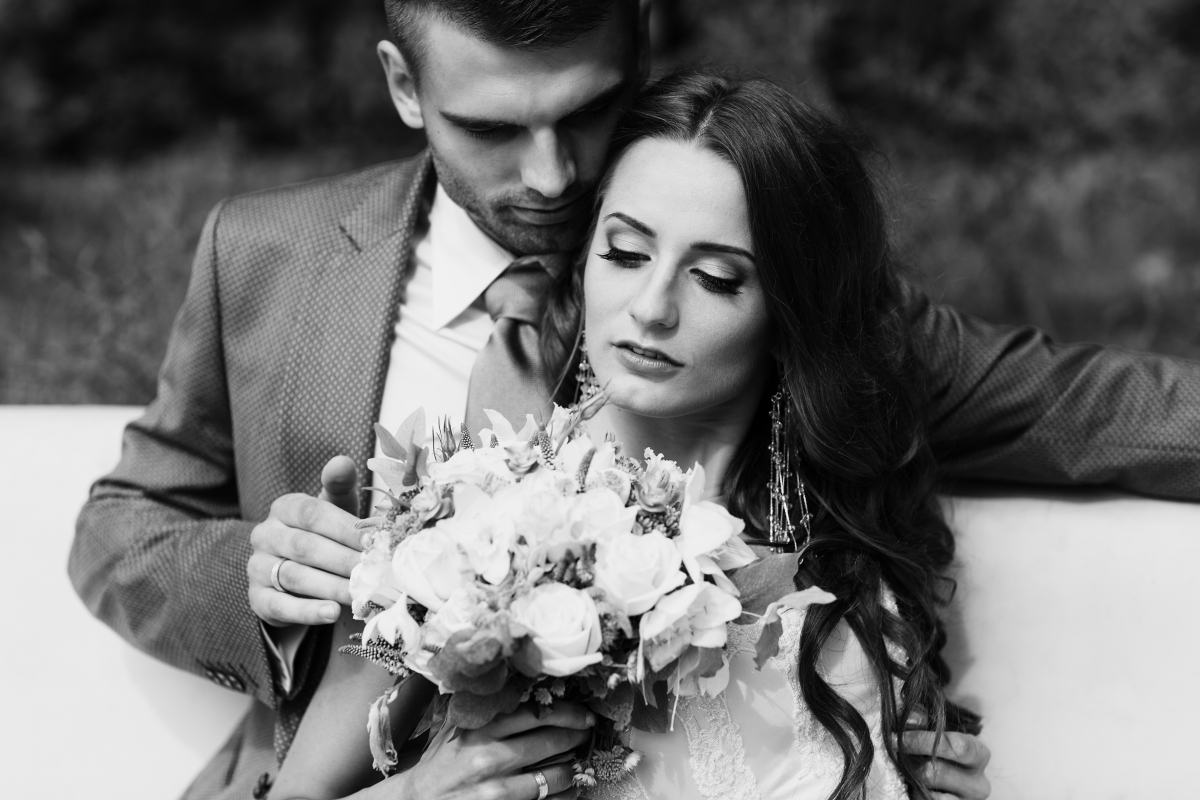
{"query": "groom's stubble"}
[(494, 217)]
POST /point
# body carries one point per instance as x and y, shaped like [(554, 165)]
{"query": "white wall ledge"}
[(1074, 632)]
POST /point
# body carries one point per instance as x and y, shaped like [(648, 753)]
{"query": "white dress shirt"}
[(439, 332)]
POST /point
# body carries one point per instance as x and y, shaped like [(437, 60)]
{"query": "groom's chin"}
[(524, 239)]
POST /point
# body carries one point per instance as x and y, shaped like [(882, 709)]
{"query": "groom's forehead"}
[(470, 77)]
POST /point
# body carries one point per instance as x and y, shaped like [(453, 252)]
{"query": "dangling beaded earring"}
[(586, 385), (782, 530)]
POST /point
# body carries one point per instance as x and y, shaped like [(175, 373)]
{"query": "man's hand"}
[(315, 544), (955, 771), (497, 761)]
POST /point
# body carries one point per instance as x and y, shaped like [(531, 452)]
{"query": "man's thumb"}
[(339, 484)]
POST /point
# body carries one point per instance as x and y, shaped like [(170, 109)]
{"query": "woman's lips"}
[(646, 359)]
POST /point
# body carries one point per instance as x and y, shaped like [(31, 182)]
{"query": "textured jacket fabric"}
[(277, 363)]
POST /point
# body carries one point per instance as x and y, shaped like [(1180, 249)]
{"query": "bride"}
[(739, 304)]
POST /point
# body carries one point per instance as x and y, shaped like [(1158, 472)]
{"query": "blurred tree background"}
[(1043, 156)]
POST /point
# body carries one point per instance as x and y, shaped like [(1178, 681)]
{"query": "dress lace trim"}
[(717, 756)]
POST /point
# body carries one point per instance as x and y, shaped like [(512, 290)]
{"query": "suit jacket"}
[(277, 363)]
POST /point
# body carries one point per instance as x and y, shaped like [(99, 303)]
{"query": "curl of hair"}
[(857, 426)]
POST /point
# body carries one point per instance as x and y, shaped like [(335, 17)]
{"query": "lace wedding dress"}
[(758, 739)]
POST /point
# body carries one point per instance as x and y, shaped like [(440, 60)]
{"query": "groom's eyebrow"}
[(598, 102), (704, 247)]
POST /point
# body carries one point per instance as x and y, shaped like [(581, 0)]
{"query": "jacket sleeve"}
[(160, 550), (1011, 404)]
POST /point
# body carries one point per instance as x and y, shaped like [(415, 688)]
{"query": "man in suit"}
[(315, 310)]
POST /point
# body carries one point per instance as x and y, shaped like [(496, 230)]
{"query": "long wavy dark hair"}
[(823, 255)]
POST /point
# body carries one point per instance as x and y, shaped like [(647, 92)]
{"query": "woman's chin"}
[(645, 399)]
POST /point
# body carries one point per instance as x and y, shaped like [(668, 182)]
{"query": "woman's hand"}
[(956, 770), (497, 761)]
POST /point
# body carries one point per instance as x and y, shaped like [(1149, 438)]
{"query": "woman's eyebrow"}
[(640, 227), (704, 247), (713, 247)]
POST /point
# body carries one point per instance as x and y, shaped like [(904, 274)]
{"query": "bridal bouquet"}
[(517, 566)]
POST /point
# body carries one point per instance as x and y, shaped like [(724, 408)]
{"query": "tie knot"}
[(517, 294)]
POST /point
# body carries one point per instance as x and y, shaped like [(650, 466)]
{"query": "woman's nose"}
[(655, 305), (548, 166)]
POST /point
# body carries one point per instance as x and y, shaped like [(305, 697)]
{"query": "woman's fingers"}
[(524, 750), (524, 786), (560, 715), (961, 748)]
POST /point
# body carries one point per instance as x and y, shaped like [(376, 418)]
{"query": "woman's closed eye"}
[(624, 258), (717, 284)]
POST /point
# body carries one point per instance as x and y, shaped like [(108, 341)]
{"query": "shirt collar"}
[(463, 259)]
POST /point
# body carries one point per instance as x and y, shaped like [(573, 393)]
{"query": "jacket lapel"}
[(341, 345)]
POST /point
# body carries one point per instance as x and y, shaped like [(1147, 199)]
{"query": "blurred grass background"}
[(1043, 156)]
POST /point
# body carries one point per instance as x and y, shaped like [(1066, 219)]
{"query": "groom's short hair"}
[(522, 24)]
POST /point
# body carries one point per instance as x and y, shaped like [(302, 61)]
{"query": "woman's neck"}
[(710, 439)]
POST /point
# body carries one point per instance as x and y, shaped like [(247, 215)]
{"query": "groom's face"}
[(519, 137)]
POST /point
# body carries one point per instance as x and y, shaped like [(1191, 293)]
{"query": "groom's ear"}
[(402, 84)]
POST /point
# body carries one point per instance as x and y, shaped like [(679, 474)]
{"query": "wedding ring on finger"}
[(543, 785), (275, 576)]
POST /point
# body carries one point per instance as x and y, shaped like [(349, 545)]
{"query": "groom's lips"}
[(549, 215)]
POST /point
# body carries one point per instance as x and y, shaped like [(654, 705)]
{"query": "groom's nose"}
[(548, 165)]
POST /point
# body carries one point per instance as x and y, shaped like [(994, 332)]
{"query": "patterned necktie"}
[(508, 375)]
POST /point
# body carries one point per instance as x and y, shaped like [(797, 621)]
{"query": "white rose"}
[(634, 571), (428, 567), (478, 533), (599, 514), (694, 615), (429, 503), (565, 627), (536, 513), (458, 613), (372, 581), (521, 457)]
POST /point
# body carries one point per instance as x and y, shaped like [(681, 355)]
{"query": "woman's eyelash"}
[(715, 284), (623, 257)]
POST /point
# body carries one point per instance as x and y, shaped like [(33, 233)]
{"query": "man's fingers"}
[(313, 550), (306, 513), (961, 748), (561, 715), (339, 484), (279, 609), (305, 581)]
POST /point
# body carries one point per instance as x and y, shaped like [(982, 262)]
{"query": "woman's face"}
[(675, 316)]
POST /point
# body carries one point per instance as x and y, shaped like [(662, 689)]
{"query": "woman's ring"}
[(543, 786), (275, 576)]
